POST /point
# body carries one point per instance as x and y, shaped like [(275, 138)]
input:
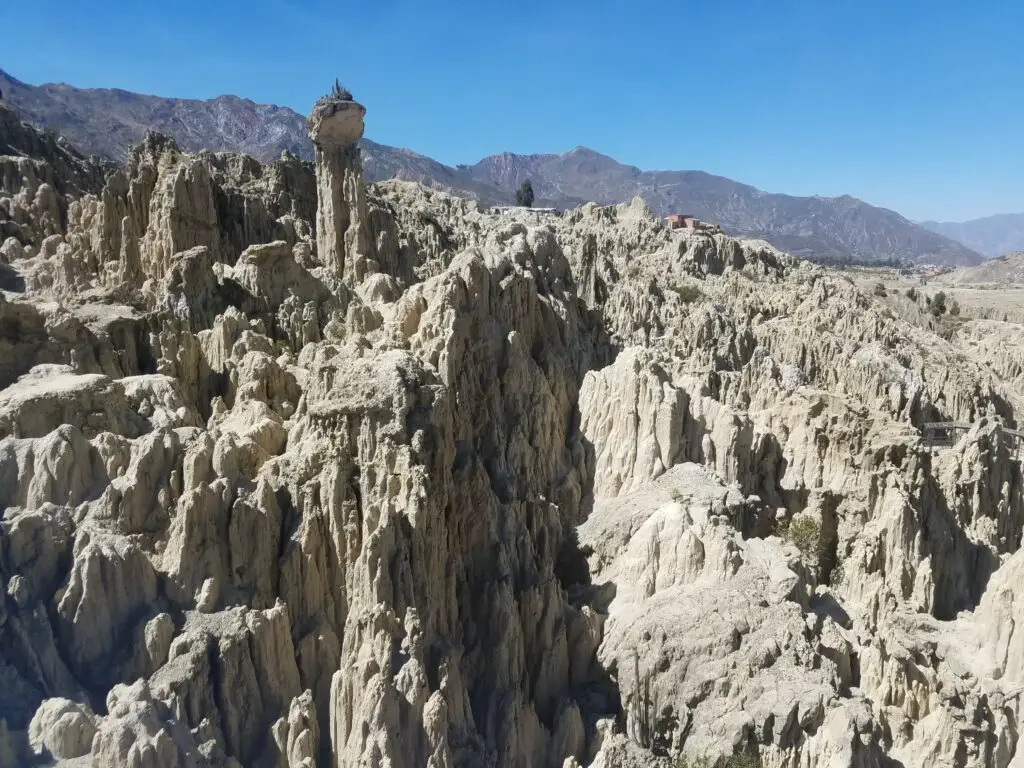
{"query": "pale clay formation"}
[(300, 473)]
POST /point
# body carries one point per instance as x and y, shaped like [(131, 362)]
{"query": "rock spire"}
[(336, 126)]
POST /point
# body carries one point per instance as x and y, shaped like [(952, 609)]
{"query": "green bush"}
[(880, 289), (743, 760), (804, 533), (688, 293), (938, 304)]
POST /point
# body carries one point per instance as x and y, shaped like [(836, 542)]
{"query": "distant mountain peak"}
[(592, 154), (992, 235)]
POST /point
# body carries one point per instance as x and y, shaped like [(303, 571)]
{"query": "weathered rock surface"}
[(401, 482)]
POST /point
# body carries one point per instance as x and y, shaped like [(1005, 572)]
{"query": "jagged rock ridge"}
[(297, 472)]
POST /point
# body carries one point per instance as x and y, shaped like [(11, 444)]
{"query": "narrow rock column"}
[(343, 244)]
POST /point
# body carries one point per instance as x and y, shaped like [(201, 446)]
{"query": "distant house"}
[(507, 209), (682, 221)]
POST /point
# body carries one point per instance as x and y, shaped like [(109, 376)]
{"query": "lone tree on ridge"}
[(524, 195)]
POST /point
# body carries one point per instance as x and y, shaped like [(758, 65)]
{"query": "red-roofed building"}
[(682, 221)]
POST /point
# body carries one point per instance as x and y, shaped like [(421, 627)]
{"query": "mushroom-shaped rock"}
[(343, 243)]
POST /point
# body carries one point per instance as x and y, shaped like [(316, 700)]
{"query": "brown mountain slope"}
[(1005, 270)]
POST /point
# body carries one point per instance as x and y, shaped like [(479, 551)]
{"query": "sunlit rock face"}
[(298, 472)]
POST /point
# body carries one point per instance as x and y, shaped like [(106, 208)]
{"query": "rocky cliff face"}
[(297, 472)]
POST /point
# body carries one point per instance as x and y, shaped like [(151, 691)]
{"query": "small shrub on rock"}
[(743, 760), (803, 532), (688, 293)]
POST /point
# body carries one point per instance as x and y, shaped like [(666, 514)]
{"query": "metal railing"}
[(943, 434)]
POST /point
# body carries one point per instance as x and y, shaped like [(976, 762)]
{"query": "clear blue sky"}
[(912, 104)]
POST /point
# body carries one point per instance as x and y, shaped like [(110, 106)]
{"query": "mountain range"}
[(990, 236), (106, 122)]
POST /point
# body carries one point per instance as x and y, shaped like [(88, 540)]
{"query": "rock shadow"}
[(11, 280), (596, 691), (961, 566)]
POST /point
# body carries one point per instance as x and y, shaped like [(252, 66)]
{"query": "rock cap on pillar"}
[(336, 119)]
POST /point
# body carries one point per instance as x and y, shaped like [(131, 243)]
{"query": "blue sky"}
[(914, 105)]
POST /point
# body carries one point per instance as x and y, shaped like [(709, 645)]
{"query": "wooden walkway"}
[(942, 434)]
